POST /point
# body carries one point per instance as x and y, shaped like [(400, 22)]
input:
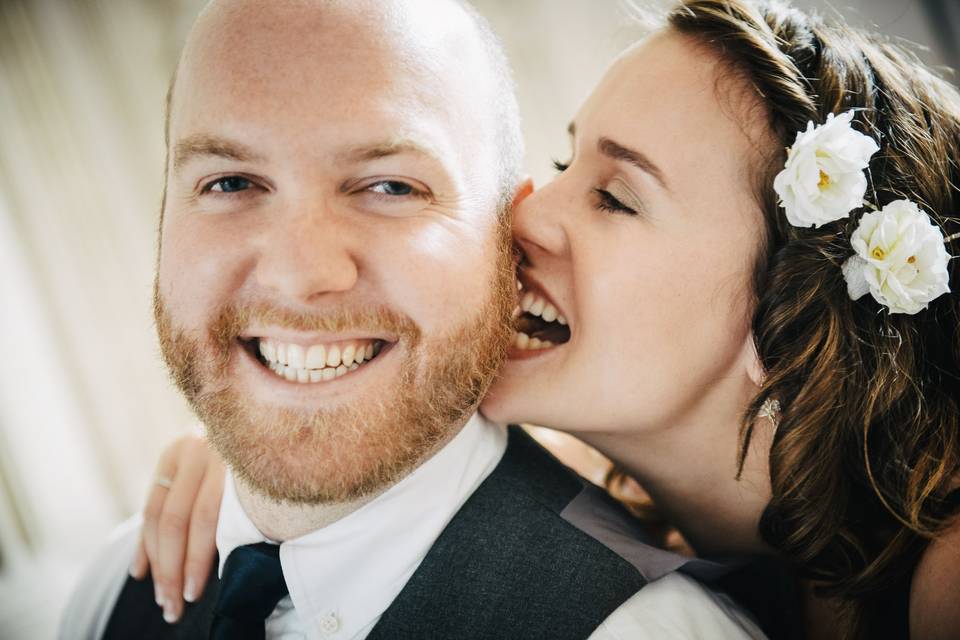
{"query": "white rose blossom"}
[(901, 259), (823, 179)]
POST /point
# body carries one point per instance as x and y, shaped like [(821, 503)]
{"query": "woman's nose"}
[(539, 222)]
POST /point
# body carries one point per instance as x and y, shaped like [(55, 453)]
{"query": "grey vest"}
[(537, 552)]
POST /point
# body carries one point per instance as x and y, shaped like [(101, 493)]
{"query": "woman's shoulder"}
[(677, 606), (935, 590)]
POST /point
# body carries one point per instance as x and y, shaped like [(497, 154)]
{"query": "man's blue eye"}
[(230, 184), (392, 188)]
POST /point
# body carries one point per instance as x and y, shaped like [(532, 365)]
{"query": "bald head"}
[(444, 47)]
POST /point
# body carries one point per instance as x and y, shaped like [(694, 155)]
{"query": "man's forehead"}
[(301, 70)]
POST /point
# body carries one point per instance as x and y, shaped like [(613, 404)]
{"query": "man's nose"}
[(307, 255)]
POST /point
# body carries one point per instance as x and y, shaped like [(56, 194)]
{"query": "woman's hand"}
[(178, 540)]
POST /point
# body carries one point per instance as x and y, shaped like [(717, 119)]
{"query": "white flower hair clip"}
[(824, 179), (900, 256)]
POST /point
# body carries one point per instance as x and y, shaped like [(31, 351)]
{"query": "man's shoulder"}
[(531, 488), (93, 598), (512, 564)]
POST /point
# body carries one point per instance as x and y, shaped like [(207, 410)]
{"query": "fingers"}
[(173, 526), (202, 543), (166, 468), (140, 564)]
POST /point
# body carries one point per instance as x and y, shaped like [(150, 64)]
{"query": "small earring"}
[(771, 411)]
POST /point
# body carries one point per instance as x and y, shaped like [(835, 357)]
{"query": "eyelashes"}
[(605, 201)]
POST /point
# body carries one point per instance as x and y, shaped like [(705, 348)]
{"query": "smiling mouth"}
[(315, 363), (540, 324)]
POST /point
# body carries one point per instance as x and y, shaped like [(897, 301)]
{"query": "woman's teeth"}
[(316, 363), (526, 343), (536, 305)]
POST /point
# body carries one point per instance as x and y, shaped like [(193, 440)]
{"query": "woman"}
[(694, 309)]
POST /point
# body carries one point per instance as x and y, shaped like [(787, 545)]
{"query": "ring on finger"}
[(163, 481)]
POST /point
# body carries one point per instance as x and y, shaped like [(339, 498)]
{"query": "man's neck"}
[(282, 521)]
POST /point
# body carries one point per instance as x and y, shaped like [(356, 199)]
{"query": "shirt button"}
[(328, 623)]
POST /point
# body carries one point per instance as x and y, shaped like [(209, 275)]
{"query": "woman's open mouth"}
[(540, 325)]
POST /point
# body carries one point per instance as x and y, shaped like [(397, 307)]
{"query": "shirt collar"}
[(354, 568)]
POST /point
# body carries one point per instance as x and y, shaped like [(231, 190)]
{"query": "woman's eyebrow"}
[(617, 151)]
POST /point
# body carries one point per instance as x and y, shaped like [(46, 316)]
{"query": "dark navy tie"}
[(251, 586)]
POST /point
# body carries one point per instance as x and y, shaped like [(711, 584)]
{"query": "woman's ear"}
[(751, 361)]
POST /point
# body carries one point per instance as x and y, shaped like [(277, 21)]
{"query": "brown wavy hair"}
[(866, 458)]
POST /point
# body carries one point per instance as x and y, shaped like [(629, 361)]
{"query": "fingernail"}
[(190, 590), (169, 616)]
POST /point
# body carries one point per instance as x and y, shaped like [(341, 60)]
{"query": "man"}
[(333, 296)]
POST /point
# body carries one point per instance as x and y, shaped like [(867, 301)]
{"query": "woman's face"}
[(645, 246)]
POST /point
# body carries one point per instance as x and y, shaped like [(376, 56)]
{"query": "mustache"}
[(234, 319)]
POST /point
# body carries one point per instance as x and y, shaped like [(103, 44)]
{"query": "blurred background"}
[(85, 406)]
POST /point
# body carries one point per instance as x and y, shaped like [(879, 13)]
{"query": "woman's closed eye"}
[(606, 201)]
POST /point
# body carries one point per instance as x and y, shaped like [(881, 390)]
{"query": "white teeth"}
[(268, 351), (316, 357), (537, 305), (346, 356), (527, 301), (316, 363), (525, 343), (333, 356), (296, 356)]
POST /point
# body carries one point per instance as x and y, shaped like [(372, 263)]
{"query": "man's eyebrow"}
[(614, 150), (200, 145), (377, 150)]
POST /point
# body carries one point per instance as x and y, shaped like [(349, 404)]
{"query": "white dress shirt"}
[(344, 576)]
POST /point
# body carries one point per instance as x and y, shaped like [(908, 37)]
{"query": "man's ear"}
[(751, 361), (524, 189)]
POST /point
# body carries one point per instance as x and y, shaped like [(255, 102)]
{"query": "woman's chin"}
[(506, 401)]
